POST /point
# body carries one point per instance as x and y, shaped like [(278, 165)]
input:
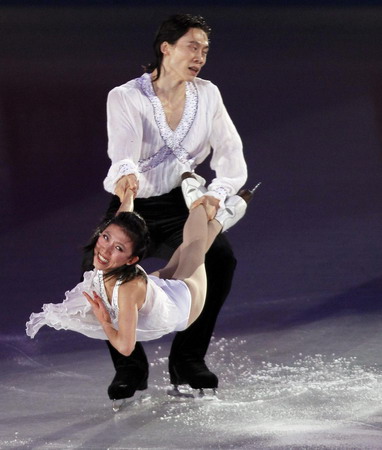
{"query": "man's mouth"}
[(195, 70)]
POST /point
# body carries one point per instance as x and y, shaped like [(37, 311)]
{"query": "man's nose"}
[(200, 57)]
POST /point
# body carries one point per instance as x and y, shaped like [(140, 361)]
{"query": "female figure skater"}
[(118, 301)]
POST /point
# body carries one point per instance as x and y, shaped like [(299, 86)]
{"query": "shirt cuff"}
[(117, 171), (127, 168)]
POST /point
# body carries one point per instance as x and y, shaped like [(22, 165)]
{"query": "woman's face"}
[(113, 249), (187, 56)]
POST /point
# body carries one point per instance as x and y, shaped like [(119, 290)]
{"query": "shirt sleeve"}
[(227, 158), (124, 129)]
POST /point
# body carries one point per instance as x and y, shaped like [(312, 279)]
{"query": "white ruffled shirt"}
[(141, 142)]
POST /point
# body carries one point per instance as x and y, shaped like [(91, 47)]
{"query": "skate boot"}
[(124, 385), (131, 375), (235, 208), (126, 381), (192, 188), (195, 373)]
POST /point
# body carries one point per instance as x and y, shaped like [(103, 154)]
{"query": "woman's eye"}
[(119, 248), (105, 236)]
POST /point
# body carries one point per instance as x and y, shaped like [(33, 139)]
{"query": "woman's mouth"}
[(102, 259)]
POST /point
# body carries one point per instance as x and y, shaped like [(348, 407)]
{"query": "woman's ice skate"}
[(235, 208), (192, 188)]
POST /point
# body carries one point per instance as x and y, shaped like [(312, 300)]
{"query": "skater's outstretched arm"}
[(127, 202), (131, 296)]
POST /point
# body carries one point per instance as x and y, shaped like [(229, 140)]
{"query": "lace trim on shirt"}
[(172, 139), (126, 169), (153, 161)]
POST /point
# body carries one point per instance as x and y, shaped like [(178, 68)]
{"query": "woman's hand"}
[(98, 307), (210, 203)]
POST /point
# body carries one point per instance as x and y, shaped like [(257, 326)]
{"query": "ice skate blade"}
[(118, 405), (197, 394), (211, 394), (256, 187), (175, 392)]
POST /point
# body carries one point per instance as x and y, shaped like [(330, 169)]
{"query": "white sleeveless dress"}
[(165, 309)]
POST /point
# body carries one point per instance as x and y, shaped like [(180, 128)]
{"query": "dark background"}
[(302, 82)]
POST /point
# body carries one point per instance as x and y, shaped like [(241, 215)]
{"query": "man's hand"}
[(124, 183), (210, 203)]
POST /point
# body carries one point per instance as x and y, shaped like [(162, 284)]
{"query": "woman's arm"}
[(127, 202), (130, 297), (103, 317)]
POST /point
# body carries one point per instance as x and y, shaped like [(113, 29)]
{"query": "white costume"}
[(141, 142), (165, 309)]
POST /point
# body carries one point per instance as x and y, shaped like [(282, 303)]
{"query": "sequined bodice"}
[(172, 138), (112, 306)]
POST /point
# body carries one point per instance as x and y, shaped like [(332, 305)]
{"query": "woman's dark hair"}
[(136, 229), (170, 31)]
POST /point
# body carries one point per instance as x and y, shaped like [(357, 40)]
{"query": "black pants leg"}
[(192, 344)]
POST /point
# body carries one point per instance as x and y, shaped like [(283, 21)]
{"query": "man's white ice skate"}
[(235, 208), (192, 188)]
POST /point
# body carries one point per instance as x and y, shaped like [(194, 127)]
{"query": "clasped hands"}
[(130, 183)]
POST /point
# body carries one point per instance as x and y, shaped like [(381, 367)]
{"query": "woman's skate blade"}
[(254, 189), (247, 194)]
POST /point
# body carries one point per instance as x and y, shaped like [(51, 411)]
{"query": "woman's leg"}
[(190, 232), (198, 236), (167, 272)]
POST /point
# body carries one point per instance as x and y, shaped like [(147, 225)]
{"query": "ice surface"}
[(297, 346), (307, 400)]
